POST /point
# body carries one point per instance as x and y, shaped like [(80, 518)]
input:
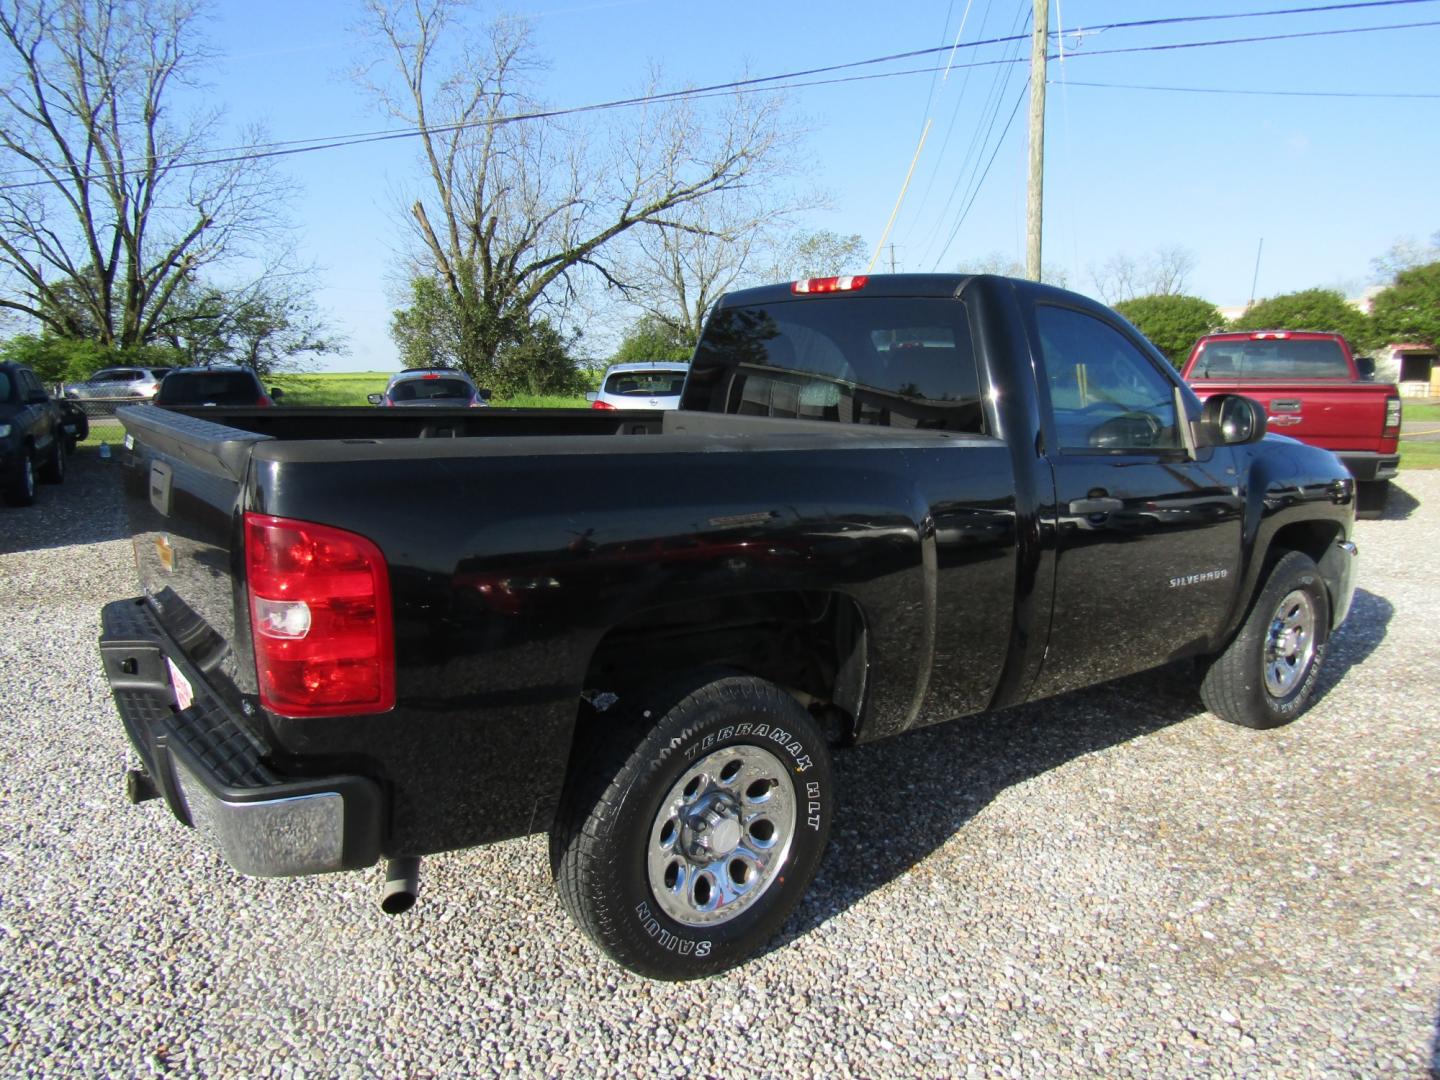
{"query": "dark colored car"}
[(884, 502), (211, 386), (33, 435), (437, 388)]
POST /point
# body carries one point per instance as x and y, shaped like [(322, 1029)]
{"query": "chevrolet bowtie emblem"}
[(166, 552)]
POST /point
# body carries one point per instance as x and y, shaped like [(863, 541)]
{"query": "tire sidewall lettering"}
[(667, 763)]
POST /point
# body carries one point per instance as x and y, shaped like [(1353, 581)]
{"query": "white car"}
[(652, 384)]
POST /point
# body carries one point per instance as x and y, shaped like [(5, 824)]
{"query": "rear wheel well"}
[(809, 643)]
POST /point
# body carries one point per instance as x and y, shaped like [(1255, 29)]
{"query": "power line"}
[(975, 194), (1255, 93), (985, 124), (754, 85)]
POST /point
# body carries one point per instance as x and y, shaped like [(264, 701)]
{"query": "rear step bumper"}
[(1368, 465), (211, 771)]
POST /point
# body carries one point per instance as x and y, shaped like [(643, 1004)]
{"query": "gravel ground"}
[(1113, 883)]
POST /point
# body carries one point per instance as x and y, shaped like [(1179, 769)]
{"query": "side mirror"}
[(1366, 366), (276, 393), (593, 395), (1231, 420), (375, 399)]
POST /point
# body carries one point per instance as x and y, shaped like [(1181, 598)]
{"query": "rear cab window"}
[(1270, 358), (638, 383), (887, 361), (209, 388), (430, 389)]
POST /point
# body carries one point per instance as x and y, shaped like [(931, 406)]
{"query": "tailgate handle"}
[(1096, 506), (1286, 404)]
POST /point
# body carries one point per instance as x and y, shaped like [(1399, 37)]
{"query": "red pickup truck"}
[(1314, 389)]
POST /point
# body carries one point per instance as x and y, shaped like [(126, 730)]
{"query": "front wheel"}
[(20, 488), (1267, 675), (684, 846)]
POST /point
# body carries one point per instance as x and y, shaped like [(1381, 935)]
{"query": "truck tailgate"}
[(183, 479), (1344, 416)]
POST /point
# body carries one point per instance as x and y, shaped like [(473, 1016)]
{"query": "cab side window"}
[(1106, 394)]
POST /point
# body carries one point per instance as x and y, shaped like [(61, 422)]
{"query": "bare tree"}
[(1164, 273), (997, 262), (516, 210), (1116, 279), (103, 209), (1406, 253)]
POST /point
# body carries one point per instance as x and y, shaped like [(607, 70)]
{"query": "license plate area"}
[(184, 692)]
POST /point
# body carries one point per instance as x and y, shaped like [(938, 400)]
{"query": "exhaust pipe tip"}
[(402, 885)]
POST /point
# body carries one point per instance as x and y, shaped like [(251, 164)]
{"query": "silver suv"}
[(118, 382), (650, 384)]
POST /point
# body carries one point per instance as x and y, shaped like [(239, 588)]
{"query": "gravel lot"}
[(1111, 883)]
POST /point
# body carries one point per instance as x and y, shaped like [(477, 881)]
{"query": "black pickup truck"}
[(885, 502)]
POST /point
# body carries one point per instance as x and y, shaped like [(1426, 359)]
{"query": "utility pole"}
[(892, 258), (1035, 208)]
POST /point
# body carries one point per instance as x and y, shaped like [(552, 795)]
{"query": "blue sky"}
[(1327, 182)]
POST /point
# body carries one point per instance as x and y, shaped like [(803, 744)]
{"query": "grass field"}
[(1415, 454), (1420, 410), (350, 388)]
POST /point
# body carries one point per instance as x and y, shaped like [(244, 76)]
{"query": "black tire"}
[(20, 487), (1267, 675), (53, 471), (1370, 497), (641, 897)]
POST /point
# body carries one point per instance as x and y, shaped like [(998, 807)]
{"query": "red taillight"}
[(262, 401), (601, 405), (848, 283), (319, 617), (1392, 418)]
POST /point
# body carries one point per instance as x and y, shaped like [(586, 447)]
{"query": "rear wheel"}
[(1267, 675), (20, 488), (684, 846)]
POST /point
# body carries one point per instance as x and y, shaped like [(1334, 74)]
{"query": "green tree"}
[(651, 338), (61, 360), (1172, 323), (127, 205), (1325, 310), (538, 361), (1409, 310), (517, 214)]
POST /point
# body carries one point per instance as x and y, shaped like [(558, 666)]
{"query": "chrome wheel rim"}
[(721, 835), (1290, 643)]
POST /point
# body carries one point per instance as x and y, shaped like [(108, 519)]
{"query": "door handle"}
[(1096, 506)]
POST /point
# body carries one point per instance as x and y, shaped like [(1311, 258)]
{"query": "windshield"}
[(894, 362), (208, 388), (431, 390), (645, 383), (1271, 358)]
